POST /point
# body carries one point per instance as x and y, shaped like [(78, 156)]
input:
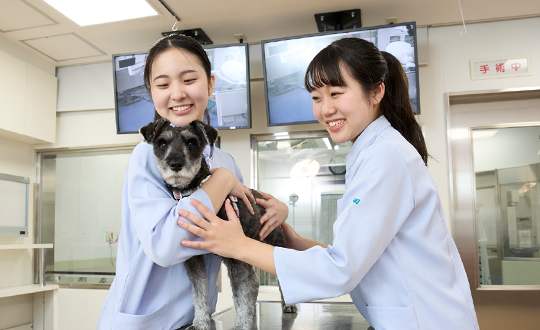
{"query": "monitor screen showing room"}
[(285, 62), (228, 106)]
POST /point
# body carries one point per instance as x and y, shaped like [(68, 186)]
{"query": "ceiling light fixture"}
[(283, 145), (102, 11), (327, 142), (306, 168)]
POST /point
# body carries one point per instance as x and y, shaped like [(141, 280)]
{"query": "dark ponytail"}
[(396, 105), (370, 67)]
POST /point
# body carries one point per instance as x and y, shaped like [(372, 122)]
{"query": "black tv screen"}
[(285, 62), (229, 106)]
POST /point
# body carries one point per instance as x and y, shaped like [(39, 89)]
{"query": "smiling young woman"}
[(345, 111), (392, 252), (179, 86), (151, 289)]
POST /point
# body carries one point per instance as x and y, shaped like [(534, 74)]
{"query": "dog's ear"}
[(207, 132), (150, 131)]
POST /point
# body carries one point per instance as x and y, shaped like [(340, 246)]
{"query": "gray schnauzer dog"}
[(179, 156)]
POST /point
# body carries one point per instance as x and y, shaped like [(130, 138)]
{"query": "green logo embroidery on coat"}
[(356, 201)]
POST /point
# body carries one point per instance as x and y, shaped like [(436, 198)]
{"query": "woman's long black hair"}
[(370, 67), (182, 42)]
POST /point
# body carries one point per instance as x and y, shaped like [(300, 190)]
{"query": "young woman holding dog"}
[(151, 289), (391, 251)]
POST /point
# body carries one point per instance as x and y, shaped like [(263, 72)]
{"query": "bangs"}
[(325, 69)]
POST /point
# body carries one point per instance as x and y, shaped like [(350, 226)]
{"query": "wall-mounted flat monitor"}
[(285, 62), (229, 106)]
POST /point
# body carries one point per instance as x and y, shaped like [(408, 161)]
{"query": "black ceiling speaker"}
[(198, 34), (339, 20)]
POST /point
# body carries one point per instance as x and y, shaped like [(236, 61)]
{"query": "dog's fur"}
[(179, 156)]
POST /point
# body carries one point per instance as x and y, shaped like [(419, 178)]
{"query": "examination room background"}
[(444, 67)]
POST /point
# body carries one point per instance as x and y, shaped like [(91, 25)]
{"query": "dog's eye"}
[(162, 146), (190, 144)]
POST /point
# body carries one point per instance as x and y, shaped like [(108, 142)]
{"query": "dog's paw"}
[(289, 309)]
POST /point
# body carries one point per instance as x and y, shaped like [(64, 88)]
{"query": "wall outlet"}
[(109, 235)]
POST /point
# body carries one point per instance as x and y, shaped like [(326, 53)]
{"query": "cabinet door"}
[(40, 114), (12, 93)]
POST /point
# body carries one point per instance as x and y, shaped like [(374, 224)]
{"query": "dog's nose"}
[(176, 165)]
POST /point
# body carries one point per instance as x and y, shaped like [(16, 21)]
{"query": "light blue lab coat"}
[(391, 251), (151, 289)]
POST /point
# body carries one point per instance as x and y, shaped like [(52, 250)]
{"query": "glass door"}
[(508, 204), (306, 171), (80, 205), (493, 144)]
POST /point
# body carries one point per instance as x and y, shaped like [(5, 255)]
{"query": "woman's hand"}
[(291, 237), (223, 183), (224, 238), (241, 191), (297, 242), (276, 213)]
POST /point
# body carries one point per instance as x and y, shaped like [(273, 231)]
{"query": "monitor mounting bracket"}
[(339, 20)]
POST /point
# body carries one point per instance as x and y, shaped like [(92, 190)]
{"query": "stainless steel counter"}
[(310, 316)]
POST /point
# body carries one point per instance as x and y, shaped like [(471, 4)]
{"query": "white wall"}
[(82, 93), (17, 158), (448, 71)]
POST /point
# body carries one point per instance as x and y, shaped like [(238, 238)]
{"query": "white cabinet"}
[(12, 93), (27, 102), (40, 110)]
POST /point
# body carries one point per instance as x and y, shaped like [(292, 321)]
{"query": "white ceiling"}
[(35, 26)]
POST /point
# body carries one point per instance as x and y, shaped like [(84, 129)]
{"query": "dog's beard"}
[(182, 178)]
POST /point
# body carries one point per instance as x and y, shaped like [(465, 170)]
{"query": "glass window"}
[(308, 174), (80, 211), (409, 40), (507, 170)]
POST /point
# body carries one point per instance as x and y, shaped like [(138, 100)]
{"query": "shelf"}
[(26, 289), (25, 246)]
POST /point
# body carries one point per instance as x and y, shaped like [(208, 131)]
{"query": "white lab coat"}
[(151, 289), (391, 251)]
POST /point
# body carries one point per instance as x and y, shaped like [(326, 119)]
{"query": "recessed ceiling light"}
[(102, 11)]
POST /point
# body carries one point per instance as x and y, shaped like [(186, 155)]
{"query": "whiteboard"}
[(13, 205)]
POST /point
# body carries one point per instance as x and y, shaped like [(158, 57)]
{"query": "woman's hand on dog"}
[(226, 238), (222, 183), (291, 237), (241, 191), (221, 237), (276, 214)]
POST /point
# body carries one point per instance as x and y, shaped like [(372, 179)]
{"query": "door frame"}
[(497, 306)]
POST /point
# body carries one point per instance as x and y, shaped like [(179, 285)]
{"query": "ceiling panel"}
[(64, 47), (30, 21), (19, 14)]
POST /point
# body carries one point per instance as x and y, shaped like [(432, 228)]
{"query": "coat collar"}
[(373, 129)]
